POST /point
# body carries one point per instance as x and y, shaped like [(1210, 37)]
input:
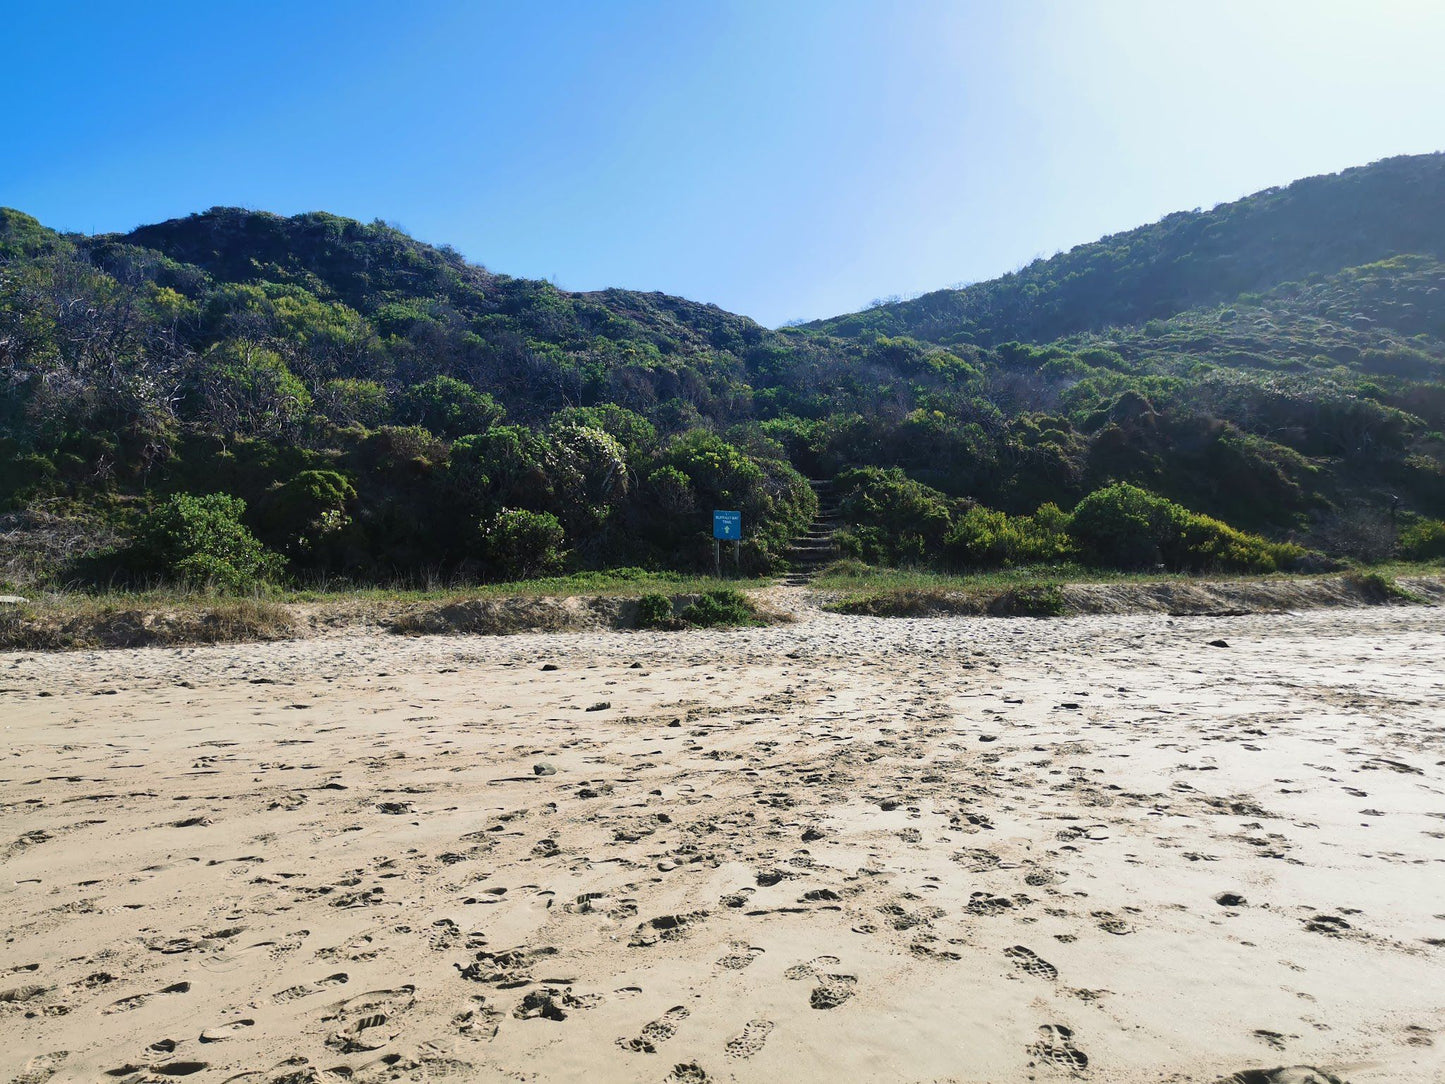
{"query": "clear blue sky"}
[(782, 159)]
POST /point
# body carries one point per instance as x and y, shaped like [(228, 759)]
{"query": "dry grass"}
[(66, 621), (71, 620), (108, 622), (1180, 596)]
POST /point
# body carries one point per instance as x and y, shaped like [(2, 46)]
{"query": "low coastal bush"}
[(983, 538), (1031, 600), (893, 519), (518, 544), (723, 607), (1423, 541), (201, 542), (654, 612), (711, 609), (1123, 526)]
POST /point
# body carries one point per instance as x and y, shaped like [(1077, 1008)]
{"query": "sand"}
[(963, 849)]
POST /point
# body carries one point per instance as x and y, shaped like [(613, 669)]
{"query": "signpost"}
[(726, 527)]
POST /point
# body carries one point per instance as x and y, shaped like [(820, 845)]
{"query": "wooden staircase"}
[(814, 548)]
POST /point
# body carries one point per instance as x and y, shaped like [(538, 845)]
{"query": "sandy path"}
[(850, 849)]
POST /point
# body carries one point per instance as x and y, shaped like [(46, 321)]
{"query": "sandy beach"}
[(1117, 848)]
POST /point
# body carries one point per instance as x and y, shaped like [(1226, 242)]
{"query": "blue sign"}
[(727, 526)]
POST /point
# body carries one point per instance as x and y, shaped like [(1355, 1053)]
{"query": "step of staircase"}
[(813, 548)]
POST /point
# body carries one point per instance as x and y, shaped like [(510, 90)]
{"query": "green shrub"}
[(518, 544), (1423, 541), (846, 568), (307, 510), (23, 477), (894, 519), (201, 542), (589, 474), (395, 448), (1204, 543), (1124, 526), (354, 402), (654, 612), (699, 471), (506, 466), (242, 387), (1030, 600), (634, 432), (981, 537), (448, 407), (724, 607), (672, 490)]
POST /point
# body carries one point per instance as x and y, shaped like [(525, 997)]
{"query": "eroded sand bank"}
[(849, 849)]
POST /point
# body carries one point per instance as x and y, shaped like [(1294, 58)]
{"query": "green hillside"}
[(1318, 225), (380, 409)]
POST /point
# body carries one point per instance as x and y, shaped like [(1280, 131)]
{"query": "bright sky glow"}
[(782, 159)]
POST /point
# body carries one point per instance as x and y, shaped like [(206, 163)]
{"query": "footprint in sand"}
[(750, 1040), (135, 1001), (740, 955), (41, 1068), (656, 1031), (288, 1069), (545, 1004), (982, 903), (29, 992), (1056, 1047), (357, 949), (810, 969), (1330, 925), (1027, 961), (832, 991), (584, 904), (292, 993), (179, 1068), (665, 928), (479, 1024), (367, 1021), (1112, 923), (977, 860), (221, 1032), (151, 1072), (288, 944), (687, 1072), (1415, 1035)]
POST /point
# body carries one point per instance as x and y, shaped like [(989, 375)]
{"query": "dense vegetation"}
[(237, 396), (1188, 259)]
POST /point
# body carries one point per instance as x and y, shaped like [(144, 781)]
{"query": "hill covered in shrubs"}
[(237, 396), (1317, 225)]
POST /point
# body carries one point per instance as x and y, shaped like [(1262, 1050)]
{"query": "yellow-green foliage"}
[(1128, 527), (982, 537), (1423, 541), (1207, 543)]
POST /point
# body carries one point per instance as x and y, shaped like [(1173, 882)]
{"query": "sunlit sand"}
[(845, 849)]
